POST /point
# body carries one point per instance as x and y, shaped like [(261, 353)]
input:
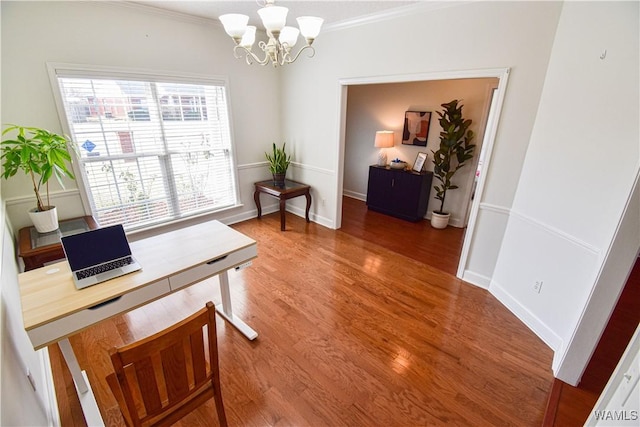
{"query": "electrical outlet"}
[(324, 202), (537, 287)]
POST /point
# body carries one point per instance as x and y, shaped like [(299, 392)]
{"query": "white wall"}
[(465, 36), (382, 106), (101, 33), (580, 168), (21, 404)]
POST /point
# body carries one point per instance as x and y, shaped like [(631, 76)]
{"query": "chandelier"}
[(282, 39)]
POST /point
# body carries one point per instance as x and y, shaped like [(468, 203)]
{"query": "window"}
[(150, 151)]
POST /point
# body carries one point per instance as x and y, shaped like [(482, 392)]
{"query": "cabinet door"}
[(379, 187), (406, 195)]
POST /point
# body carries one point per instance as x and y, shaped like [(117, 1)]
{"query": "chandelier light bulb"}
[(310, 26), (273, 17), (249, 37), (289, 36), (235, 24)]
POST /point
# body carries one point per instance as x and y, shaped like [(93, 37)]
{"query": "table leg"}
[(256, 198), (283, 206), (226, 311), (87, 400), (308, 196)]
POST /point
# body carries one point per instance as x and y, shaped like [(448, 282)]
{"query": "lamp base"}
[(382, 158)]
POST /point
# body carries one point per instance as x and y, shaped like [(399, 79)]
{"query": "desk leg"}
[(85, 394), (308, 197), (256, 198), (225, 310), (283, 208)]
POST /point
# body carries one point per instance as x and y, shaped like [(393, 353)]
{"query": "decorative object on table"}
[(278, 163), (40, 154), (454, 151), (384, 139), (418, 165), (281, 39), (398, 164), (416, 128)]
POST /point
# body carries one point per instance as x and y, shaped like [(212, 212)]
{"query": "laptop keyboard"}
[(102, 268)]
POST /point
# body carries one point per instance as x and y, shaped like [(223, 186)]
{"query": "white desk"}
[(53, 309)]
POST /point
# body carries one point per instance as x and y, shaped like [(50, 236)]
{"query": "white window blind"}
[(150, 151)]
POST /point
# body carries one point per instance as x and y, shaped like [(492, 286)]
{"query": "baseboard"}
[(476, 279), (355, 195), (538, 327)]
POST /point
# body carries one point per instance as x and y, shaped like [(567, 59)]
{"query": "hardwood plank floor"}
[(354, 329)]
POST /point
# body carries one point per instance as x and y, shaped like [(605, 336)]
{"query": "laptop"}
[(99, 255)]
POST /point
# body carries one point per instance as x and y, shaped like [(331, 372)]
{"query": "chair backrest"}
[(161, 378)]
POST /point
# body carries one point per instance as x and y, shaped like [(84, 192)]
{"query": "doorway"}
[(496, 106)]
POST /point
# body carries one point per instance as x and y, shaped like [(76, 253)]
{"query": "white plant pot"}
[(439, 221), (44, 221)]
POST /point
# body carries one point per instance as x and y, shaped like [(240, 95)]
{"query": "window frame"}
[(56, 70)]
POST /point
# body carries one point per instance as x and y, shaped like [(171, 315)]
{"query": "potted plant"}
[(278, 164), (454, 151), (40, 154)]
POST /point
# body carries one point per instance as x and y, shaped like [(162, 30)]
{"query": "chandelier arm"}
[(312, 52), (250, 57)]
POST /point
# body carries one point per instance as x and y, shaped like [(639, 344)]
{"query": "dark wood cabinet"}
[(403, 194)]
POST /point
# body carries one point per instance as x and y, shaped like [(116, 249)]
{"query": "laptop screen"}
[(95, 247)]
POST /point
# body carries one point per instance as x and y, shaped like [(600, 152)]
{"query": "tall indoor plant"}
[(454, 151), (278, 163), (40, 154)]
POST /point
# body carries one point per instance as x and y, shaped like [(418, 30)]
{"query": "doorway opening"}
[(490, 131)]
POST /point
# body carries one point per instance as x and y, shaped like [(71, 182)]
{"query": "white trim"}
[(563, 368), (503, 78), (544, 332), (388, 14), (479, 280), (495, 208), (312, 168), (265, 164), (355, 195), (502, 74), (55, 195), (556, 232), (60, 69), (53, 414)]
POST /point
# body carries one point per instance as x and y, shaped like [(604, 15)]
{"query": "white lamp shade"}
[(249, 37), (273, 17), (384, 139), (310, 26), (289, 36), (235, 24)]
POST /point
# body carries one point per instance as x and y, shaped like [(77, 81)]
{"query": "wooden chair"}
[(161, 378)]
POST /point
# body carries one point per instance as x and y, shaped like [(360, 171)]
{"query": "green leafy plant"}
[(278, 159), (38, 153), (454, 151)]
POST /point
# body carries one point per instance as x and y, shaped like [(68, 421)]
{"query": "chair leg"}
[(217, 396)]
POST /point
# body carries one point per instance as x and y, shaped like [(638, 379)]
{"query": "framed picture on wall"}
[(416, 127), (419, 163)]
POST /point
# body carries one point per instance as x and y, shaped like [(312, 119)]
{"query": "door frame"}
[(502, 74)]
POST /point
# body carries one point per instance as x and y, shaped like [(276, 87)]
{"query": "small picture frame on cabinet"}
[(418, 165)]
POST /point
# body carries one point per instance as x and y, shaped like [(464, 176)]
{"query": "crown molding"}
[(420, 7)]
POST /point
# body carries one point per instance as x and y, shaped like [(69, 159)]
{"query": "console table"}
[(36, 249), (289, 190), (400, 193)]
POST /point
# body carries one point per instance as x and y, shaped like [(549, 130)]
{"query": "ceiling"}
[(332, 11)]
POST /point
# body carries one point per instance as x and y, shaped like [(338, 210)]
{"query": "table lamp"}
[(384, 139)]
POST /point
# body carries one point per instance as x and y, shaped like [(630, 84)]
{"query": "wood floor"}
[(357, 327)]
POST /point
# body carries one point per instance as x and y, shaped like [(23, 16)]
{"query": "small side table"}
[(38, 248), (289, 190)]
